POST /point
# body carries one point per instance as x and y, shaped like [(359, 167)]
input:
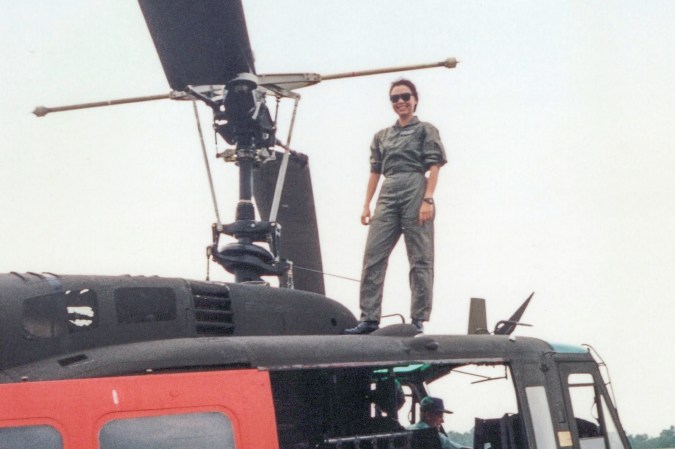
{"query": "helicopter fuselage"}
[(139, 362)]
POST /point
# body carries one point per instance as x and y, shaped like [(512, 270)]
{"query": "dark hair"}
[(407, 83)]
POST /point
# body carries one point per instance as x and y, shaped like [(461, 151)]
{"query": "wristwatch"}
[(429, 201)]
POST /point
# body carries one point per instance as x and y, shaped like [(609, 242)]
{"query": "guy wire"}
[(326, 274)]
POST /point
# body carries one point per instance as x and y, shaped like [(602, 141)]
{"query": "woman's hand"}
[(365, 216), (426, 212)]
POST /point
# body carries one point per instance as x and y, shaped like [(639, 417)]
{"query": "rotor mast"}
[(241, 117)]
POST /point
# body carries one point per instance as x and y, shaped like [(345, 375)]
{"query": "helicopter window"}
[(145, 304), (482, 399), (42, 436), (590, 410), (366, 408), (46, 317), (541, 417), (183, 431), (611, 429), (42, 316), (481, 396)]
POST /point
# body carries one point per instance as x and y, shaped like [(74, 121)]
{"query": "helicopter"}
[(102, 361)]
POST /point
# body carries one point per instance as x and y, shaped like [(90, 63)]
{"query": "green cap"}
[(430, 404)]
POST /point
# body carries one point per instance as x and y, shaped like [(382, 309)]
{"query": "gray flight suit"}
[(402, 155)]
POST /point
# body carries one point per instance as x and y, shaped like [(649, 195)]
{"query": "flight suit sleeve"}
[(376, 154), (433, 152)]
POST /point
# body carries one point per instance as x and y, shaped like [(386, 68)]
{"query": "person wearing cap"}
[(431, 415), (403, 153)]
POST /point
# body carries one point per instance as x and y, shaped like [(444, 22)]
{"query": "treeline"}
[(665, 440), (463, 439)]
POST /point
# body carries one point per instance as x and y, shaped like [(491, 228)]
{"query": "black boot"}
[(364, 327)]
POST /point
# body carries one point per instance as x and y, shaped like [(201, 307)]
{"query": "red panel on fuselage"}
[(78, 408)]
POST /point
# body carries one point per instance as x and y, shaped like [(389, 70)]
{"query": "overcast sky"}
[(559, 124)]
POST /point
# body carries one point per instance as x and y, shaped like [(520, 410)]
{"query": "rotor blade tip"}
[(41, 111), (450, 63)]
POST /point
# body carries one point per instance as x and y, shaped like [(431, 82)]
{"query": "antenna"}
[(477, 317), (506, 327)]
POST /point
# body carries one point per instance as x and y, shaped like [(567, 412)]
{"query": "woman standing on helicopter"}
[(403, 153)]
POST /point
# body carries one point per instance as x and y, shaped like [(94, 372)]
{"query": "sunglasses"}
[(404, 97)]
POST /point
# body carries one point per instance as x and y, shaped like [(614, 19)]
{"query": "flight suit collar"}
[(413, 121)]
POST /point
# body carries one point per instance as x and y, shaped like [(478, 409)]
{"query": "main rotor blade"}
[(199, 42), (297, 216)]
